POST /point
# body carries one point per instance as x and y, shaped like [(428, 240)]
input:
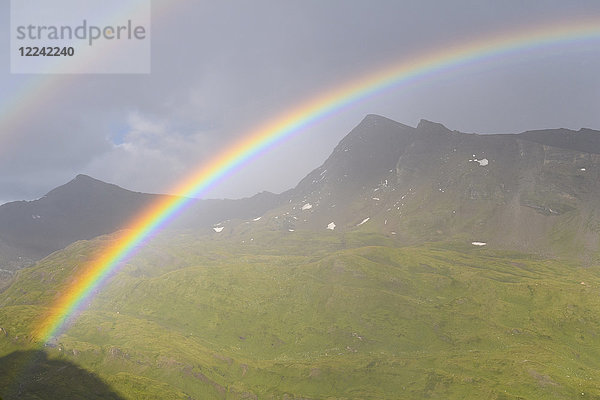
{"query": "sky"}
[(219, 69)]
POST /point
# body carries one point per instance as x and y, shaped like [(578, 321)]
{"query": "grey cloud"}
[(222, 68)]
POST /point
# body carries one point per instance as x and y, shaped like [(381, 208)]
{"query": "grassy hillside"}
[(335, 316)]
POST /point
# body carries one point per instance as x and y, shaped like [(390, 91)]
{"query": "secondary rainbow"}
[(37, 90), (77, 294)]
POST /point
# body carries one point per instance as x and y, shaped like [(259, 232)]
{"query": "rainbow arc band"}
[(77, 294)]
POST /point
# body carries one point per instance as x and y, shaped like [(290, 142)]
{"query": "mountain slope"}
[(312, 316), (81, 209), (86, 207), (536, 191), (281, 307)]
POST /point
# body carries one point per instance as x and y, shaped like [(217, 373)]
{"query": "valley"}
[(414, 263)]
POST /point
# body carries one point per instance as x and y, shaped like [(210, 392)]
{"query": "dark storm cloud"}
[(221, 68)]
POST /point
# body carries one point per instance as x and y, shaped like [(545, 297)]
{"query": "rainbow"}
[(76, 295)]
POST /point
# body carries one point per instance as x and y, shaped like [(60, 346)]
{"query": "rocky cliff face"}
[(537, 191)]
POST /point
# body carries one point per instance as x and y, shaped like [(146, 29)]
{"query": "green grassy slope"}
[(337, 316)]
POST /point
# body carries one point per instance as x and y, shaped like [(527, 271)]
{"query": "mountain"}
[(535, 191), (393, 301), (81, 209), (86, 207)]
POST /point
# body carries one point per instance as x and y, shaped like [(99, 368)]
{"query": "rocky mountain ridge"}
[(536, 191), (85, 208)]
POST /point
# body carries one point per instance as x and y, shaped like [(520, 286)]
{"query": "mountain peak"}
[(425, 125), (83, 178), (83, 185), (371, 121), (83, 208)]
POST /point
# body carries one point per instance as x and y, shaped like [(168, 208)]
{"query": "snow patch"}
[(219, 229), (376, 198), (291, 230), (307, 206), (256, 219), (364, 221), (482, 163), (331, 226), (582, 169), (478, 243)]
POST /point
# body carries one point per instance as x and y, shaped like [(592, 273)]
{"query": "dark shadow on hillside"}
[(31, 375)]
